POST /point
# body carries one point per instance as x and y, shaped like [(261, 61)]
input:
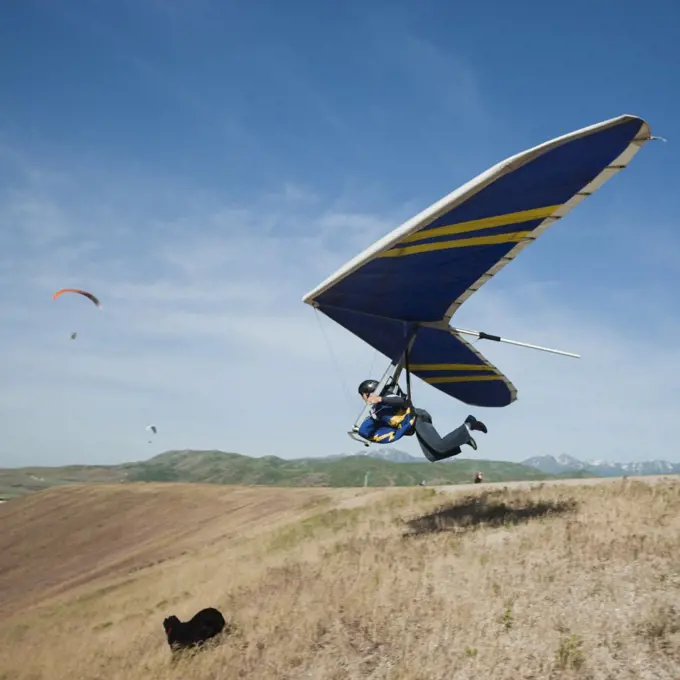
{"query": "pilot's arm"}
[(389, 400)]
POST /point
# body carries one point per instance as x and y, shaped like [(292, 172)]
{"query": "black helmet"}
[(368, 386)]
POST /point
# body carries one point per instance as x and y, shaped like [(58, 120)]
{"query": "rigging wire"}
[(338, 367), (370, 368)]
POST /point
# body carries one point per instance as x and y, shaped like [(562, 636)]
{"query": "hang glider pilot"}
[(391, 417)]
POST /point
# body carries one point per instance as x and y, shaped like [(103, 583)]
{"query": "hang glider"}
[(400, 294)]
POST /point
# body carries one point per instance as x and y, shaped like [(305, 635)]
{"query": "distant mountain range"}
[(551, 465), (556, 465), (394, 456)]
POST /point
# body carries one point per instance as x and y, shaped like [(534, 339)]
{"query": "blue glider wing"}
[(438, 356), (424, 270)]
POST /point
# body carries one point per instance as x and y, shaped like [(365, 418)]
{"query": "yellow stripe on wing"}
[(484, 223), (513, 237), (450, 367), (462, 378)]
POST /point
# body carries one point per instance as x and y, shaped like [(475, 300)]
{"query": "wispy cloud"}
[(40, 219), (200, 319), (440, 77), (615, 402)]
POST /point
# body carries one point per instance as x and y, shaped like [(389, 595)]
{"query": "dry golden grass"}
[(61, 538), (551, 582)]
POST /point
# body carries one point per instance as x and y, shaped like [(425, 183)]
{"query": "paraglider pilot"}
[(391, 418)]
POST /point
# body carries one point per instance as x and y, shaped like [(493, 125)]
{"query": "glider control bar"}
[(497, 338)]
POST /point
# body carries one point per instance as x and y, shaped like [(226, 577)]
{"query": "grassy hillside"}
[(63, 538), (561, 581), (218, 467), (576, 474), (230, 468), (16, 482)]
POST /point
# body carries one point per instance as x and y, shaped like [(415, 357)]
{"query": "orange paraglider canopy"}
[(81, 292)]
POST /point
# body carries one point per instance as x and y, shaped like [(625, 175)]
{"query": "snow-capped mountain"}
[(554, 465), (564, 463), (646, 467)]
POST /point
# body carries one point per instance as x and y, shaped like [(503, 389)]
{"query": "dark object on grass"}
[(204, 625)]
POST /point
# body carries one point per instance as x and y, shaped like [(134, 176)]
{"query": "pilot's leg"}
[(436, 447)]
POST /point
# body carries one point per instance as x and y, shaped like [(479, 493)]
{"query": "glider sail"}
[(413, 280), (90, 296)]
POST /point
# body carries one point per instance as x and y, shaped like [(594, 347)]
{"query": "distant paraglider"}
[(90, 296), (153, 429)]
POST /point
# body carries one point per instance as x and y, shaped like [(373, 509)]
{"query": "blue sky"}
[(200, 165)]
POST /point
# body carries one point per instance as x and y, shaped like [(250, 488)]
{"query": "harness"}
[(389, 384)]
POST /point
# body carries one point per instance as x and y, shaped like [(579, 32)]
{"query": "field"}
[(559, 580)]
